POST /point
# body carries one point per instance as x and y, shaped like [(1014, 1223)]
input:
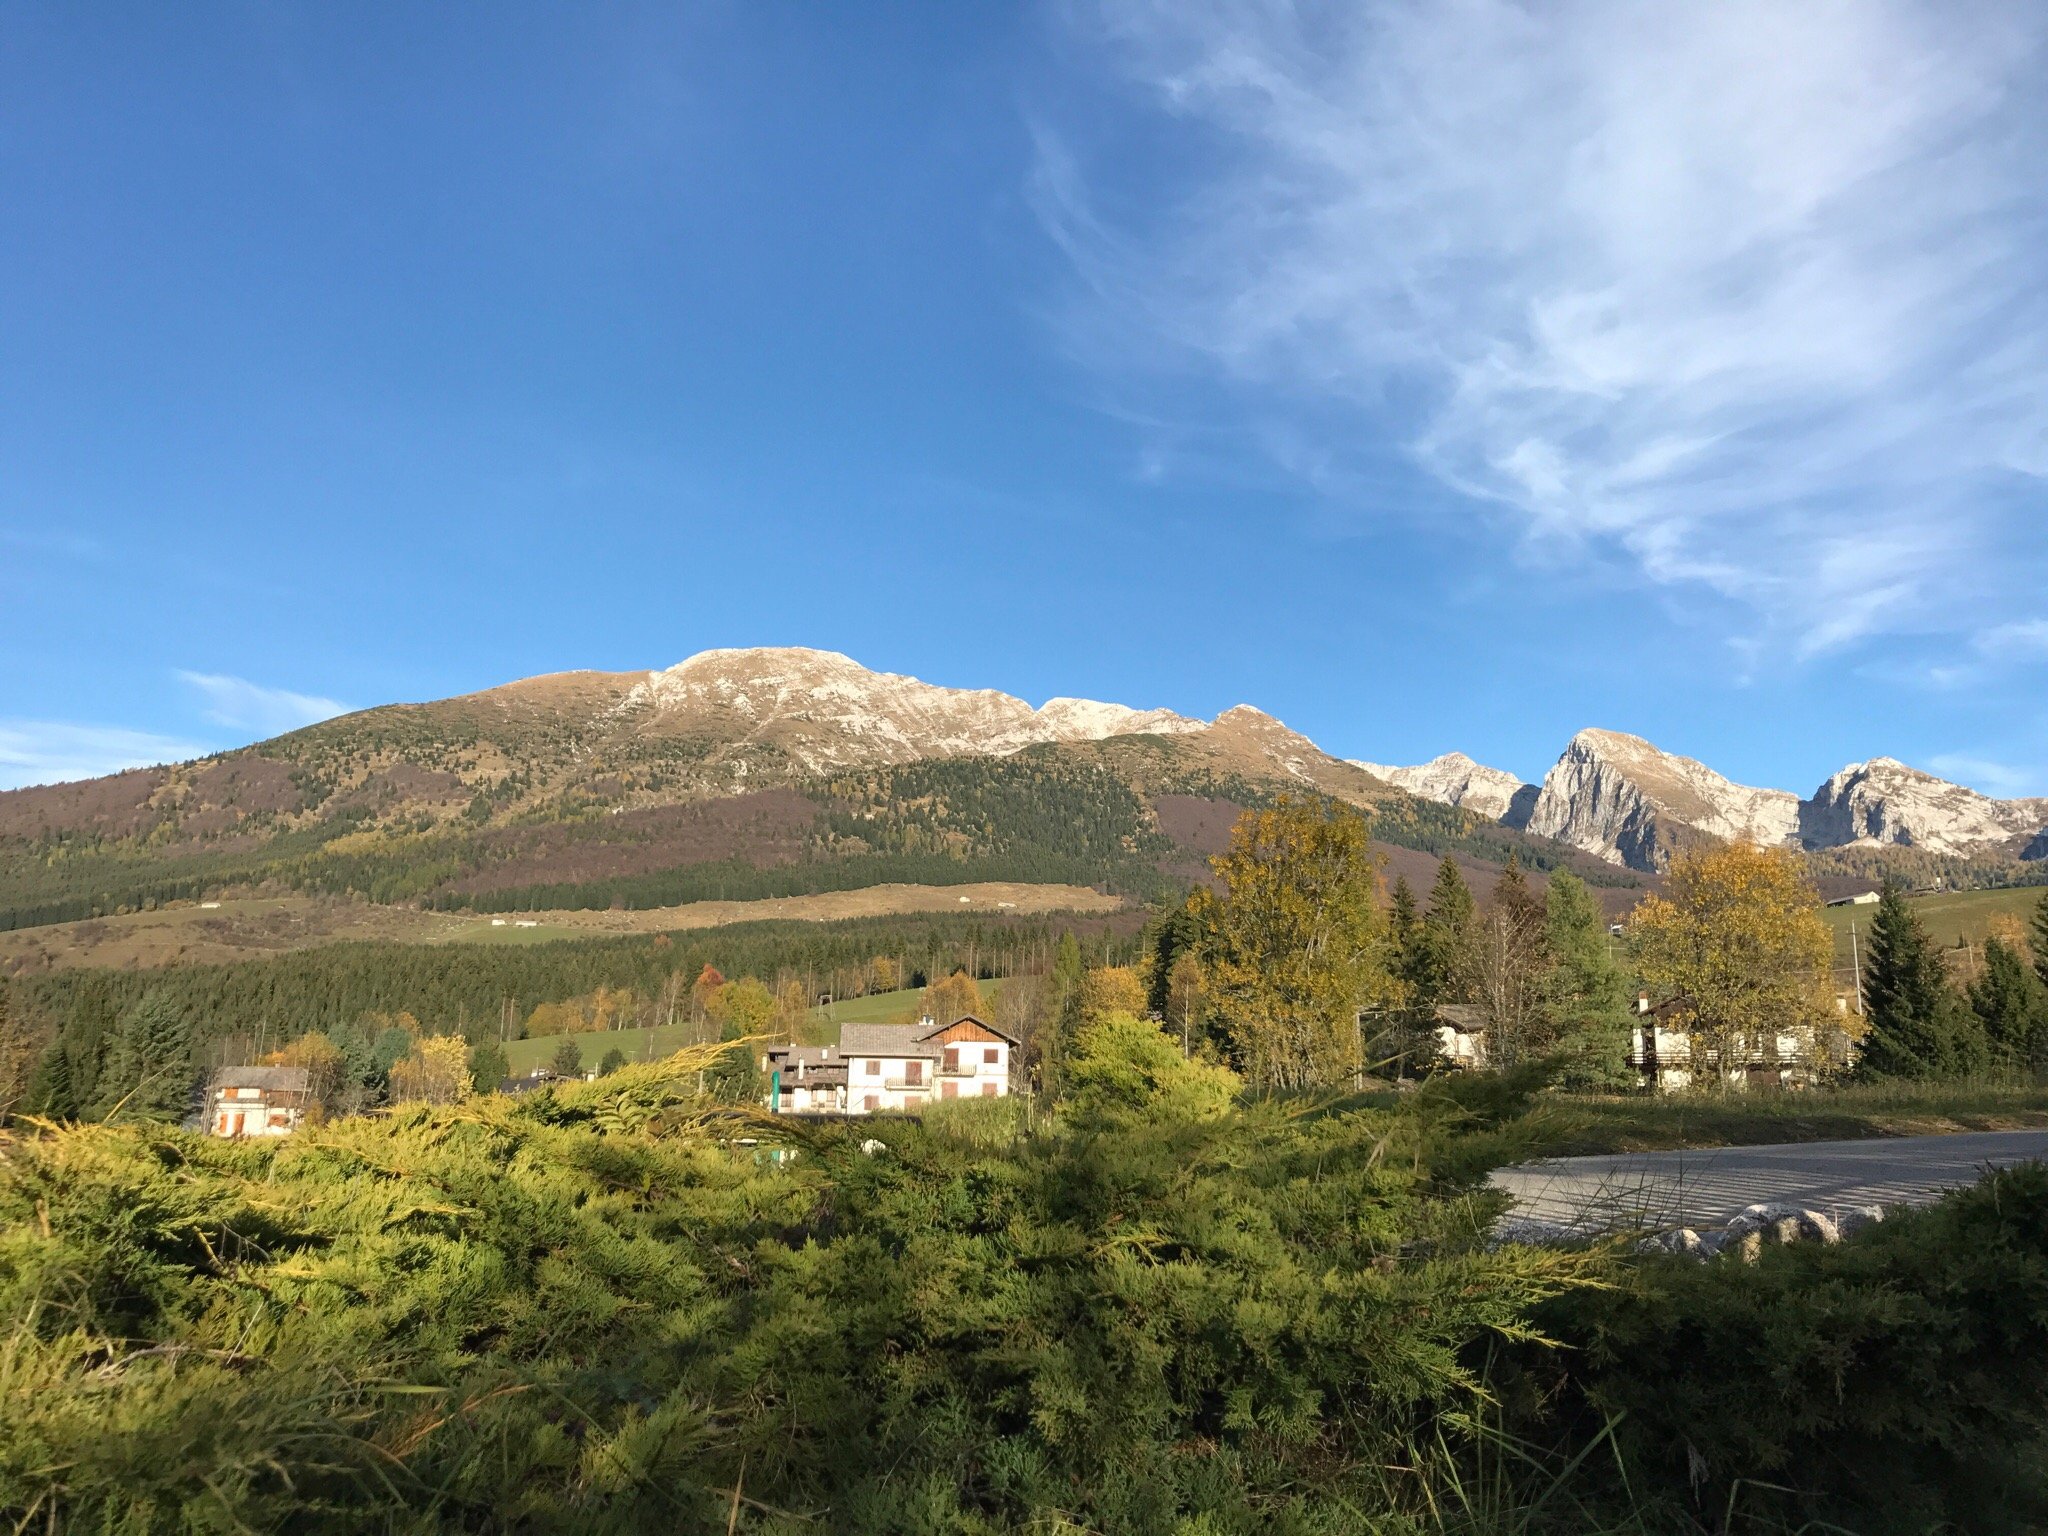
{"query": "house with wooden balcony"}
[(883, 1068)]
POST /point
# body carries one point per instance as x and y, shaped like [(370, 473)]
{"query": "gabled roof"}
[(884, 1040), (968, 1018), (275, 1079), (1466, 1018)]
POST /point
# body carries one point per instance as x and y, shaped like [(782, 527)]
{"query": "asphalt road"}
[(1704, 1187)]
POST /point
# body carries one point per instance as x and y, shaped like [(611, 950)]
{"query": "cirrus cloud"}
[(241, 705), (1749, 295)]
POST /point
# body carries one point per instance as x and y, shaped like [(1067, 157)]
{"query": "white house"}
[(1860, 899), (257, 1101), (882, 1067)]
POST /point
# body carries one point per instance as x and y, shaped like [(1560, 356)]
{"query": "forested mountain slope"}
[(736, 775)]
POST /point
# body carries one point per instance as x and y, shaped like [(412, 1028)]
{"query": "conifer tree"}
[(149, 1073), (1404, 933), (1062, 1016), (1176, 934), (1585, 994), (2012, 1006), (487, 1066), (51, 1092), (1447, 951), (567, 1060), (1906, 996)]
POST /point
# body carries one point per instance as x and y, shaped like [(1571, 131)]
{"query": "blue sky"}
[(1431, 376)]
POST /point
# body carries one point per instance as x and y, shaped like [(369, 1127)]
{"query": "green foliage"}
[(567, 1060), (487, 1068), (614, 1307), (149, 1074), (613, 1060), (1124, 1066), (1443, 963), (1295, 946), (2012, 1007), (1919, 1028), (457, 989), (583, 1309), (1891, 1384), (1585, 995)]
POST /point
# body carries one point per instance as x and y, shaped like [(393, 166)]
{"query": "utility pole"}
[(1856, 963)]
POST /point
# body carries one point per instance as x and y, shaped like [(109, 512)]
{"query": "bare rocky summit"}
[(1455, 779), (825, 710), (1627, 801)]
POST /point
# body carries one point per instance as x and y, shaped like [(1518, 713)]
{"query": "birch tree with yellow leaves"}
[(1296, 944), (1738, 942)]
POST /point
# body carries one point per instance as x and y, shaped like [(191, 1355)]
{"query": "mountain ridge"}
[(783, 770)]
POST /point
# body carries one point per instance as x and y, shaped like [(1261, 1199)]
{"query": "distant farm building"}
[(1860, 899), (257, 1101), (879, 1068)]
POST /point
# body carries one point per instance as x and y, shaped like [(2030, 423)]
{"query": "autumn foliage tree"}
[(436, 1070), (1295, 945), (1738, 943), (953, 997)]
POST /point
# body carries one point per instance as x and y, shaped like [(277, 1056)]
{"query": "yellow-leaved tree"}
[(1295, 945), (1737, 941), (741, 1009), (1111, 989), (437, 1070), (952, 997)]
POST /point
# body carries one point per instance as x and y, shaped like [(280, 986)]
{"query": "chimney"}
[(1642, 1002)]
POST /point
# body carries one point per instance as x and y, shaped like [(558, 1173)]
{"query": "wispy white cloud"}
[(2001, 780), (245, 706), (2024, 638), (1752, 295), (55, 752)]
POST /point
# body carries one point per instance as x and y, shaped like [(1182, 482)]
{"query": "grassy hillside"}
[(1950, 917)]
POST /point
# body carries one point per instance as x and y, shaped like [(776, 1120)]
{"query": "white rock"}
[(1455, 779)]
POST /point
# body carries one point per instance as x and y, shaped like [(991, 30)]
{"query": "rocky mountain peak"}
[(826, 710), (1628, 801), (1456, 779), (1887, 801)]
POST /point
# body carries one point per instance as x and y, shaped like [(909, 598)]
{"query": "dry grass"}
[(254, 927)]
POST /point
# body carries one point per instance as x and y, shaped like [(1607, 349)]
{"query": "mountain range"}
[(1624, 800), (781, 771)]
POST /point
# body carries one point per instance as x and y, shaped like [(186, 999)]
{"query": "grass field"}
[(248, 928), (649, 1044), (1949, 917)]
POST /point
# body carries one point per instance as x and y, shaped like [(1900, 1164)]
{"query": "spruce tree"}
[(2012, 1006), (1585, 994), (149, 1073), (1907, 999), (1063, 1013), (51, 1092), (487, 1068), (1448, 959)]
